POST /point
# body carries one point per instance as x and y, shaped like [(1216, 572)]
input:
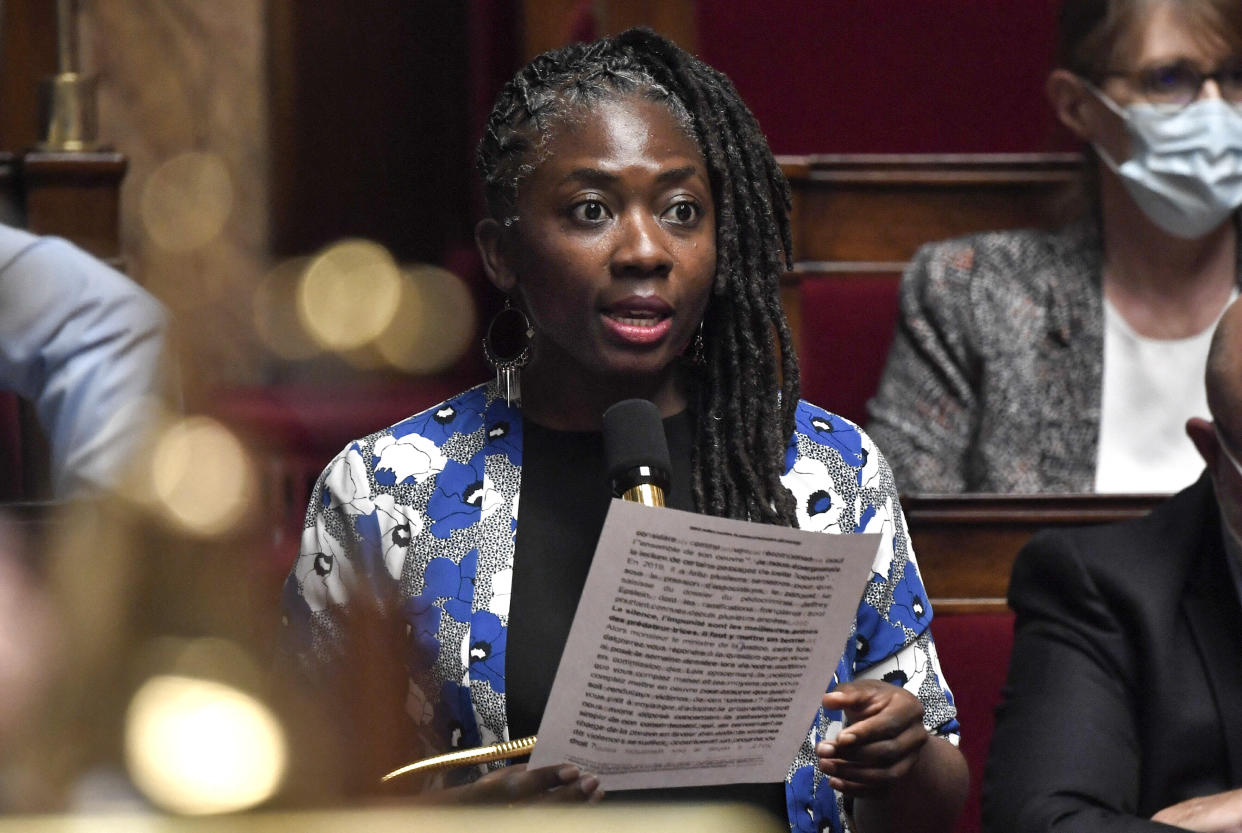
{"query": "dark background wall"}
[(368, 125), (376, 106), (889, 76)]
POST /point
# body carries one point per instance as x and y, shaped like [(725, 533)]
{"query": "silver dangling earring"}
[(697, 354), (513, 357)]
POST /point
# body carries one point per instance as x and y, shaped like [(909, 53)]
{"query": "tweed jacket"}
[(995, 375), (424, 515)]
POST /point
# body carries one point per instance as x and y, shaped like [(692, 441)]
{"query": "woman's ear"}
[(1073, 103), (489, 236)]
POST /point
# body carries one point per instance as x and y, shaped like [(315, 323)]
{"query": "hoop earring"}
[(508, 367)]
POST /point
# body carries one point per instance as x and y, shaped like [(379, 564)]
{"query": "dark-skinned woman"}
[(638, 227)]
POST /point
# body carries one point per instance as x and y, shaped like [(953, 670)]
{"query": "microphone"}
[(636, 452)]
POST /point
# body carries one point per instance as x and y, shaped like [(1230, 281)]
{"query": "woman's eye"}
[(1171, 78), (684, 213), (589, 211)]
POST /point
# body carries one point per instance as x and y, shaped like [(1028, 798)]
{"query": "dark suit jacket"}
[(1125, 683)]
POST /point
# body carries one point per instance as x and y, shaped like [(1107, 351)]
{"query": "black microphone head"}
[(635, 448)]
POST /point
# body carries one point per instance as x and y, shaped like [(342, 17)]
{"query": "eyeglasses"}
[(1173, 86)]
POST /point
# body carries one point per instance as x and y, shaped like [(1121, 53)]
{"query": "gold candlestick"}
[(67, 110)]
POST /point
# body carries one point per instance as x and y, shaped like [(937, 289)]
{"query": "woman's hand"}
[(881, 741), (517, 784)]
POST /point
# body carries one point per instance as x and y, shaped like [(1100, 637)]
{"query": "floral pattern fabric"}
[(426, 512)]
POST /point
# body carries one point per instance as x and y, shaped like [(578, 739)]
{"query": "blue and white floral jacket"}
[(426, 512)]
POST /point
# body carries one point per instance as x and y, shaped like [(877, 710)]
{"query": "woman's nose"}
[(643, 246), (1210, 89)]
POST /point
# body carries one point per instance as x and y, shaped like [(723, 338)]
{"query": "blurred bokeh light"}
[(196, 746), (434, 324), (354, 300), (349, 295), (186, 201), (276, 312), (202, 479)]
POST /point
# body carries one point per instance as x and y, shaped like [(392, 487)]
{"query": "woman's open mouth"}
[(638, 321)]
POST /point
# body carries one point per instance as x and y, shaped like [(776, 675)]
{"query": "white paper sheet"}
[(700, 649)]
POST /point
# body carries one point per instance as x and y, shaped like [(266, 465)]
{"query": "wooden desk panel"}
[(966, 544), (397, 817), (76, 196), (868, 212)]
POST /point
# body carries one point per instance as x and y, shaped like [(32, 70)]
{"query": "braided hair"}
[(749, 364)]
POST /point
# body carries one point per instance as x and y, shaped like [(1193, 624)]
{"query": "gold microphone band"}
[(468, 757), (647, 494)]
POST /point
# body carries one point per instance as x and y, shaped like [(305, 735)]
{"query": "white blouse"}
[(1151, 387)]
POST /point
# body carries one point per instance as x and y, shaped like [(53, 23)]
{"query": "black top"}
[(564, 499)]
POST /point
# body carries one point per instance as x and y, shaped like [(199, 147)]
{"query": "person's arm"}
[(923, 414), (894, 758), (902, 778), (86, 345), (1065, 753)]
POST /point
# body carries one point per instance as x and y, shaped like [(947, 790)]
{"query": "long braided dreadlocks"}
[(739, 449)]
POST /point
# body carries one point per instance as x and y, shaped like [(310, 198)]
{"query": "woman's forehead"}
[(1165, 31), (618, 132)]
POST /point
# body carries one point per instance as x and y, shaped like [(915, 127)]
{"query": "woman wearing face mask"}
[(1069, 361)]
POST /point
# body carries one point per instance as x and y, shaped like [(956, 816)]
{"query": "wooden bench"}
[(857, 220)]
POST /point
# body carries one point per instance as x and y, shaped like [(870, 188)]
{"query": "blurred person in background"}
[(1123, 708), (86, 345), (1067, 361)]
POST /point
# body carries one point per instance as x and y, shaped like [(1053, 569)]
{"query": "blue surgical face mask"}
[(1185, 166)]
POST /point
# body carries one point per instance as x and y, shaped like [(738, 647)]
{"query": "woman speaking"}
[(638, 228)]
